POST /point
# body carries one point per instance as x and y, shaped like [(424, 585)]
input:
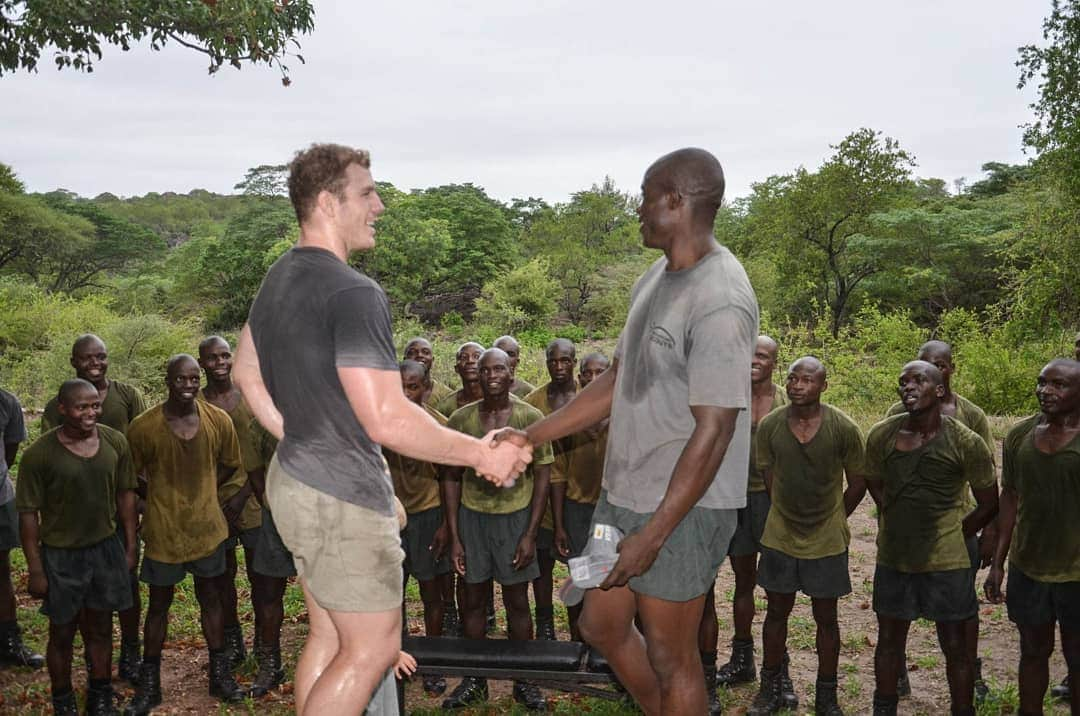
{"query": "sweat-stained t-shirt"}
[(183, 520), (242, 420), (448, 404), (1046, 538), (123, 403), (756, 482), (920, 528), (438, 392), (416, 483), (585, 468), (314, 314), (12, 432), (807, 518), (688, 340), (538, 398), (477, 493), (75, 496), (522, 388)]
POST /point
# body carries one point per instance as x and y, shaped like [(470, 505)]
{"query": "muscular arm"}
[(1006, 522), (876, 488), (694, 472), (248, 378), (587, 408), (856, 490), (986, 507), (129, 522)]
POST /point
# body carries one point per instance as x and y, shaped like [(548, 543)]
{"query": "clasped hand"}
[(507, 455)]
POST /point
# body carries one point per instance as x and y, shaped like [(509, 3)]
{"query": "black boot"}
[(100, 701), (1061, 691), (147, 690), (885, 705), (788, 699), (767, 701), (64, 704), (234, 644), (981, 689), (825, 698), (472, 690), (903, 682), (545, 623), (434, 685), (12, 650), (127, 667), (270, 673), (529, 696), (222, 684), (741, 669), (708, 665)]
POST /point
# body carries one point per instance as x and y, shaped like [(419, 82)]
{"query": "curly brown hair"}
[(321, 167)]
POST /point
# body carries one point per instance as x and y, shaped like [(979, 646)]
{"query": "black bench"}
[(561, 665)]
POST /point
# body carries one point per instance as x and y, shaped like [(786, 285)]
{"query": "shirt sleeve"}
[(15, 430), (138, 404), (125, 467), (137, 445), (360, 323), (28, 488), (854, 449), (873, 467), (763, 454), (51, 417), (978, 463), (229, 446), (1008, 456), (719, 347)]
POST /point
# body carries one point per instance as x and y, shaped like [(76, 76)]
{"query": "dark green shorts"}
[(945, 596), (272, 558), (490, 542), (416, 541), (577, 520), (747, 537), (687, 563), (249, 538), (165, 574), (9, 527), (94, 577), (1032, 602), (823, 578)]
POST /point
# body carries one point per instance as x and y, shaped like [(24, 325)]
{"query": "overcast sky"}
[(542, 98)]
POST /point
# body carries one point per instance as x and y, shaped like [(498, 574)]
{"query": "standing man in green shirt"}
[(73, 482), (746, 545), (121, 403), (939, 354), (551, 541), (919, 467), (186, 449), (509, 346), (805, 450), (419, 350), (466, 365), (13, 652), (493, 529), (1040, 533)]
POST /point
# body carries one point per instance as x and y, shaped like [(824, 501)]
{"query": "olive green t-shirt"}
[(482, 496), (123, 403), (585, 468), (448, 404), (242, 419), (920, 528), (416, 483), (756, 482), (75, 496), (522, 388), (183, 520), (438, 392), (807, 518), (538, 398), (1046, 539), (967, 413)]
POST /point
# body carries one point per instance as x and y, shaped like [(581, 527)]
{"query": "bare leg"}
[(1036, 646), (709, 629), (58, 655), (210, 594), (891, 646), (431, 596), (672, 650), (157, 621), (518, 619), (97, 632), (742, 606), (7, 590), (828, 638), (774, 633), (472, 600), (1070, 645)]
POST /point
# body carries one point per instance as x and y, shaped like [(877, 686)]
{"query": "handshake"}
[(504, 454)]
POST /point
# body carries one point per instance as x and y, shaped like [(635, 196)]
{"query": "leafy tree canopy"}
[(226, 31)]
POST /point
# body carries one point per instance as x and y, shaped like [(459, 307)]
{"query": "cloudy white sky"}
[(543, 98)]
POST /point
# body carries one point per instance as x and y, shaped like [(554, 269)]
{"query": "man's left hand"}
[(525, 552), (637, 552), (233, 506)]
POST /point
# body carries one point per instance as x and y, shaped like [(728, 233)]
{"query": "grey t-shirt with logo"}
[(12, 430), (688, 340), (312, 315)]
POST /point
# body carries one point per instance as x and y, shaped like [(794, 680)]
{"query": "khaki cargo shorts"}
[(348, 556)]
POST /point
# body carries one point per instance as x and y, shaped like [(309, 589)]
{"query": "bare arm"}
[(30, 535), (1006, 522), (406, 428), (248, 378), (855, 492), (694, 472), (526, 547), (877, 492), (587, 408), (450, 493), (986, 508), (129, 523), (11, 450)]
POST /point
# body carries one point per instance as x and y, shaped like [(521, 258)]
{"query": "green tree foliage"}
[(1002, 178), (265, 180), (1055, 70), (31, 232), (10, 183), (519, 300), (178, 217), (226, 31), (595, 229)]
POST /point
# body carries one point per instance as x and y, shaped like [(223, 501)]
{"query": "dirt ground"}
[(185, 662)]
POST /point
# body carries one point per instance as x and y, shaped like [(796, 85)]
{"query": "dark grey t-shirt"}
[(12, 430), (688, 340), (312, 315)]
